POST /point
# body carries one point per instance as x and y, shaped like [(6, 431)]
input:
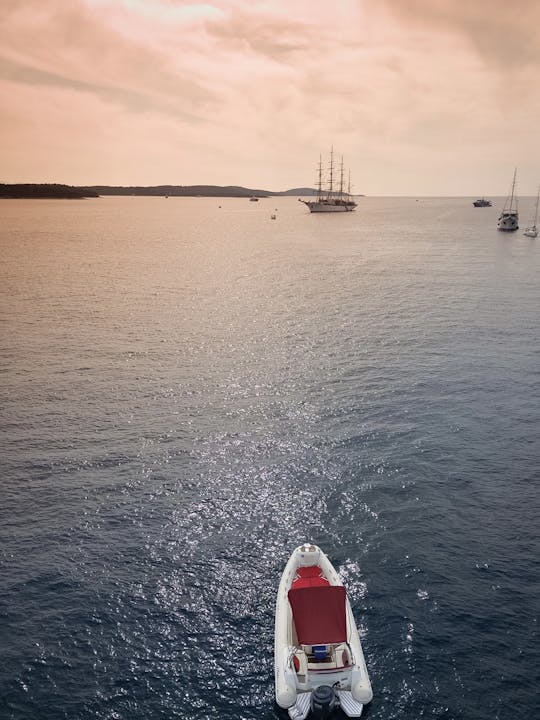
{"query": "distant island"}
[(45, 190), (196, 191), (55, 190)]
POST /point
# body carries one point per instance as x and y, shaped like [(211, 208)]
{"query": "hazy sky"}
[(423, 97)]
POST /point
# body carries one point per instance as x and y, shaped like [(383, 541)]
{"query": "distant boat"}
[(532, 230), (253, 199), (482, 202), (509, 218), (331, 200)]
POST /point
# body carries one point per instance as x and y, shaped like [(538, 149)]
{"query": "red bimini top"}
[(319, 614)]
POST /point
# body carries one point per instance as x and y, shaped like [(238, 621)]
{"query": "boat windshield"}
[(319, 614)]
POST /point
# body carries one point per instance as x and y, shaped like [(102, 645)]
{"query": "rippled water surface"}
[(191, 389)]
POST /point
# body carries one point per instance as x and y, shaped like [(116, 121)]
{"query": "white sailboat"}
[(331, 200), (509, 218), (532, 231)]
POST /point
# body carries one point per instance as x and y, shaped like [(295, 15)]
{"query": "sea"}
[(191, 389)]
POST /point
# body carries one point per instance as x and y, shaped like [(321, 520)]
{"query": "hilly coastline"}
[(56, 190), (196, 191), (44, 190)]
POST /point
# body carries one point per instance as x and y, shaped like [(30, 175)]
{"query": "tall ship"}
[(509, 217), (333, 198)]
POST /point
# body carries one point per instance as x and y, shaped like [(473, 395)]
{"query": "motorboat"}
[(482, 202), (318, 660), (509, 217)]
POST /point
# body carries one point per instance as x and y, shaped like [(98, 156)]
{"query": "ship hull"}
[(508, 219), (508, 222), (326, 207)]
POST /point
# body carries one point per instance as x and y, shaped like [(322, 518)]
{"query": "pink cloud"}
[(250, 92)]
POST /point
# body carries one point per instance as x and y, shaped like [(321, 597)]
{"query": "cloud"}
[(67, 43), (274, 38), (506, 35), (250, 92)]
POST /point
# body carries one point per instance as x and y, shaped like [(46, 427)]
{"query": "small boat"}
[(509, 218), (331, 200), (482, 202), (318, 660), (532, 230), (253, 199), (273, 216)]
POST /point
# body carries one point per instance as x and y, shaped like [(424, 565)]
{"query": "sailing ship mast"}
[(341, 179), (536, 208), (330, 200), (319, 182), (511, 203), (331, 175)]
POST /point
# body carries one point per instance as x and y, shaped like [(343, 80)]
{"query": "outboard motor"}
[(323, 701)]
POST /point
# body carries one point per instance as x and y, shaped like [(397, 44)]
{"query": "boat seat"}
[(310, 582), (325, 657), (309, 576), (308, 571), (343, 655), (300, 664)]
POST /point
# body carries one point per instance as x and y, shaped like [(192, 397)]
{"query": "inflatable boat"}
[(318, 660)]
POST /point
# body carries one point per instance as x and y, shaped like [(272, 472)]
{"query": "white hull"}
[(532, 230), (329, 206), (297, 674), (508, 222), (509, 219)]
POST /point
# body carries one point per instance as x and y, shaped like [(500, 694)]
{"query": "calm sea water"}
[(191, 389)]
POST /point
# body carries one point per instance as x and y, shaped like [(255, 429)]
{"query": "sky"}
[(421, 97)]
